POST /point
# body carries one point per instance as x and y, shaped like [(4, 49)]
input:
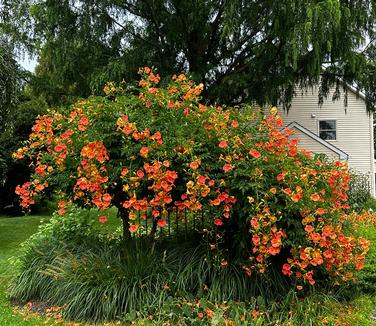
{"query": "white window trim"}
[(336, 130)]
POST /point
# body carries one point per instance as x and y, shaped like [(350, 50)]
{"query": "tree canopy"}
[(18, 110), (10, 82), (240, 50), (10, 87)]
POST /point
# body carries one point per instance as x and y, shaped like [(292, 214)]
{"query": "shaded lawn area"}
[(13, 231)]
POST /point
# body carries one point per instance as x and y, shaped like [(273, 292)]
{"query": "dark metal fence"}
[(178, 222)]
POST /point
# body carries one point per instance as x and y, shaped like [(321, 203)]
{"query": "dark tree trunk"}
[(124, 215), (153, 228)]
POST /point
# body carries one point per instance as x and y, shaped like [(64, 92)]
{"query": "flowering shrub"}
[(148, 148), (363, 218)]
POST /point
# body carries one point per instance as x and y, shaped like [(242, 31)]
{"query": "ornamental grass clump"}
[(99, 279), (147, 149)]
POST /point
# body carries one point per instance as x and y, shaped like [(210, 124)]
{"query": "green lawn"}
[(14, 231)]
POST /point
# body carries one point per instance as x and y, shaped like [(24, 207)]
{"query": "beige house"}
[(344, 133)]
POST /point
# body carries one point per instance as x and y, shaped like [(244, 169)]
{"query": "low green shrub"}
[(316, 309), (370, 205), (359, 190), (31, 283), (77, 225)]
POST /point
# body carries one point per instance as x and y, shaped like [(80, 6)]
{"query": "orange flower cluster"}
[(25, 194), (365, 218), (60, 150), (79, 117), (196, 191), (226, 200), (266, 239), (331, 249), (42, 131), (92, 184), (95, 150), (91, 178), (161, 182), (151, 77), (130, 129), (315, 191)]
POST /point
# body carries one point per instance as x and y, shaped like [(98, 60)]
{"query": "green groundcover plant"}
[(149, 148)]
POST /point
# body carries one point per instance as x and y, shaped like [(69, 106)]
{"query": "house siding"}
[(354, 127), (313, 145)]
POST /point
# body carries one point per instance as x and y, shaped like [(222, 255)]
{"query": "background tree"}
[(18, 110), (10, 87), (10, 82), (240, 50), (18, 127)]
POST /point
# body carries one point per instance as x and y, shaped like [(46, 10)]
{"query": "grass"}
[(315, 309), (14, 231)]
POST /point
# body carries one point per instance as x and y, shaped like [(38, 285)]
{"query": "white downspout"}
[(373, 192)]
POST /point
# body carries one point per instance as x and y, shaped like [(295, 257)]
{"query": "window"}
[(328, 129)]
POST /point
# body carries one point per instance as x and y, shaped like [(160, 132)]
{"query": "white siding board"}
[(313, 145), (354, 132)]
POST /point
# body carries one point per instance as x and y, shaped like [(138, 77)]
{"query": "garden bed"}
[(320, 307)]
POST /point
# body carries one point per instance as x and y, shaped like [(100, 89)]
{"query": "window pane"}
[(327, 125), (328, 135)]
